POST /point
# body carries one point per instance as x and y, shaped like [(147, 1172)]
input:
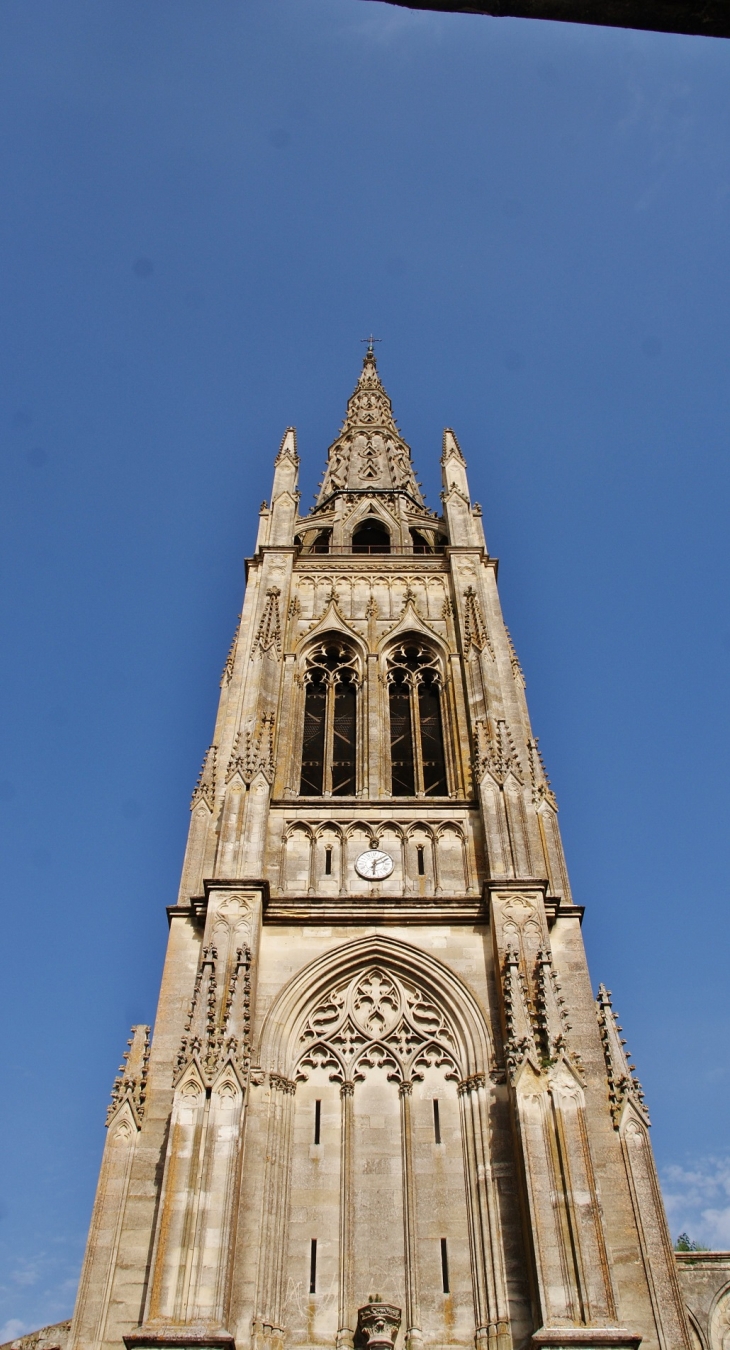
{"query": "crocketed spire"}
[(369, 451)]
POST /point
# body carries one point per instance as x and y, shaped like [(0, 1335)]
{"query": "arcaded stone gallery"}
[(381, 1105)]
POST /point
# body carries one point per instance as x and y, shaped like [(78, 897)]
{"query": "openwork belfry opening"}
[(329, 746), (371, 537), (418, 766)]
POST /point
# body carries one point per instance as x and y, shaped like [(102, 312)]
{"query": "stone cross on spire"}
[(369, 451)]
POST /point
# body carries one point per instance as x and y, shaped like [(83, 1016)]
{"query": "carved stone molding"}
[(365, 911), (201, 1337), (378, 1325), (198, 909), (472, 1083), (581, 1338), (281, 1084), (377, 1019)]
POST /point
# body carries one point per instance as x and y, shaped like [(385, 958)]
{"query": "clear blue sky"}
[(205, 207)]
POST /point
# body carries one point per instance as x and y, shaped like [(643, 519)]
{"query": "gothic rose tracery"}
[(377, 1020)]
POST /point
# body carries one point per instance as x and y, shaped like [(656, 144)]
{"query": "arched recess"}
[(321, 542), (375, 1031), (422, 543), (422, 864), (329, 859), (371, 536), (285, 1020), (296, 859), (368, 512), (453, 867)]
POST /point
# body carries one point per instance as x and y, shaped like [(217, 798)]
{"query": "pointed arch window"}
[(417, 759), (329, 746)]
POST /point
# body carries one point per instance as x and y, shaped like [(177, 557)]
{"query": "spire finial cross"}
[(370, 340)]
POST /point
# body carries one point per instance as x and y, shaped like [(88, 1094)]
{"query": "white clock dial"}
[(374, 865)]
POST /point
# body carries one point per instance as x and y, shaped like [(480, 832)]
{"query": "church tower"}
[(381, 1106)]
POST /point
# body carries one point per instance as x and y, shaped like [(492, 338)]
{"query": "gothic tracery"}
[(377, 1020)]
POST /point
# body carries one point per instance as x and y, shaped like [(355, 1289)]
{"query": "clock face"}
[(374, 865)]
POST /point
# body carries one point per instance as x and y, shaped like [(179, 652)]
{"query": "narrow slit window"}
[(420, 851), (328, 862), (436, 1121), (317, 1121), (313, 1266), (444, 1266)]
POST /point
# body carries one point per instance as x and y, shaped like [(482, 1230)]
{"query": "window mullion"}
[(329, 739), (416, 734)]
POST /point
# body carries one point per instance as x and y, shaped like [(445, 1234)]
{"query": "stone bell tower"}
[(381, 1105)]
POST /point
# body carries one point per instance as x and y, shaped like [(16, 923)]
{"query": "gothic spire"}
[(369, 451)]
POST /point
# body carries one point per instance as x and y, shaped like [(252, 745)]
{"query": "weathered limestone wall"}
[(704, 1279), (53, 1337)]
